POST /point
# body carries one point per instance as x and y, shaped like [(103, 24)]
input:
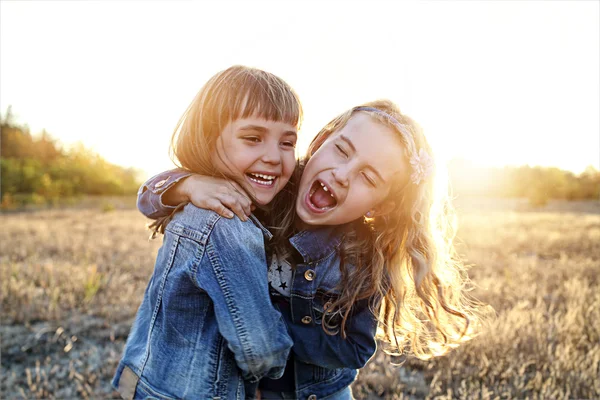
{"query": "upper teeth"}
[(267, 177), (325, 188)]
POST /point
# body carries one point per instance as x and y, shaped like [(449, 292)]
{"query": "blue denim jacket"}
[(323, 364), (206, 326)]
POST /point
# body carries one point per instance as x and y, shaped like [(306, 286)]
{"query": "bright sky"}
[(492, 82)]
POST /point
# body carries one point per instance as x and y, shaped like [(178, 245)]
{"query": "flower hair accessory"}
[(422, 165)]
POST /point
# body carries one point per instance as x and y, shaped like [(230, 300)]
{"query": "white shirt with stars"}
[(280, 275)]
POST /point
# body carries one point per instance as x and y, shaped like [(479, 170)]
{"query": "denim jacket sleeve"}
[(149, 197), (312, 345), (233, 272)]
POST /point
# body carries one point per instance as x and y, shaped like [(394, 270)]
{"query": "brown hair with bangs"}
[(235, 93)]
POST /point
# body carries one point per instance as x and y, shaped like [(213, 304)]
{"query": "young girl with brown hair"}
[(205, 327)]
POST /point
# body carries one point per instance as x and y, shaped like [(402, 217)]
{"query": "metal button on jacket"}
[(160, 183), (309, 275), (306, 319), (312, 397)]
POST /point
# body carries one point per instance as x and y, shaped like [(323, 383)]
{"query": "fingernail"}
[(229, 215)]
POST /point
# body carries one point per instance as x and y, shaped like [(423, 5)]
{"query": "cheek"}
[(365, 198), (289, 163)]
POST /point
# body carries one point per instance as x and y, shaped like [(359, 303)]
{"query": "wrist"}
[(183, 189), (177, 194)]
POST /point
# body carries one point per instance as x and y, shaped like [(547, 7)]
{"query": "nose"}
[(272, 154), (341, 175)]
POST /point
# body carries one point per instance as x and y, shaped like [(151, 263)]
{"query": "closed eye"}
[(370, 180), (341, 150), (252, 139)]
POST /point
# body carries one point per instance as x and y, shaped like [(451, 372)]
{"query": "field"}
[(71, 281)]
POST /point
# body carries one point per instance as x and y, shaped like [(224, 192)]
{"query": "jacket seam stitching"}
[(159, 301)]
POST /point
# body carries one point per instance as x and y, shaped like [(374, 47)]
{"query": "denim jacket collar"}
[(316, 244), (268, 235)]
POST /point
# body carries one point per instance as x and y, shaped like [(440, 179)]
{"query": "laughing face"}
[(261, 151), (351, 173)]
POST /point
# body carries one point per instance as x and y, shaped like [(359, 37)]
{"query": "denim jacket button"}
[(307, 320), (160, 184), (309, 275), (312, 397)]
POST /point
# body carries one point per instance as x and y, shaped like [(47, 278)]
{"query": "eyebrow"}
[(349, 142), (256, 128)]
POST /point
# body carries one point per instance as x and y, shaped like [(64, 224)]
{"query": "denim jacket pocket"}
[(321, 309), (321, 374)]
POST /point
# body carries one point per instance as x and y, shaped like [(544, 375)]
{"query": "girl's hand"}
[(217, 194)]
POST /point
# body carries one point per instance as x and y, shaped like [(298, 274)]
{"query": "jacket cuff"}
[(150, 193)]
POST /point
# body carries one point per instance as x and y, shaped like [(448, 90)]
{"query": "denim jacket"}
[(323, 364), (206, 326)]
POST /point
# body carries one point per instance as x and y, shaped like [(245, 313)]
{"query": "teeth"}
[(324, 188), (265, 177), (265, 182)]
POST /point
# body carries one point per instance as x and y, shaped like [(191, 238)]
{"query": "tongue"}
[(322, 198)]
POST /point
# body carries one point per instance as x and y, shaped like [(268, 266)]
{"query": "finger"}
[(236, 186), (243, 198), (218, 207), (245, 203), (234, 203)]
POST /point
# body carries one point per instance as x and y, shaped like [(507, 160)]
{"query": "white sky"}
[(493, 82)]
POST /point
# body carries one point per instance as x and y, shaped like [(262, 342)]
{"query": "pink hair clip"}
[(422, 165)]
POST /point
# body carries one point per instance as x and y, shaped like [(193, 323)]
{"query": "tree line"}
[(538, 184), (37, 169)]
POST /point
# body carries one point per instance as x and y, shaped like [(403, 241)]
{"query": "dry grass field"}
[(71, 281)]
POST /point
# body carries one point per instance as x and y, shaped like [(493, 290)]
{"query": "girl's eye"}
[(289, 144), (341, 150), (370, 180), (252, 139)]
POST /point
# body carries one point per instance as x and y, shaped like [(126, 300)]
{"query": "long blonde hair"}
[(405, 260), (231, 94)]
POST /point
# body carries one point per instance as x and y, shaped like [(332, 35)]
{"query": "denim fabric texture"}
[(149, 200), (323, 364), (344, 394), (206, 327)]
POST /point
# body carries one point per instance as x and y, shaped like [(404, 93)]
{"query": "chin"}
[(263, 202)]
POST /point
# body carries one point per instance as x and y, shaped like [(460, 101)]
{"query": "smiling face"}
[(261, 152), (351, 173)]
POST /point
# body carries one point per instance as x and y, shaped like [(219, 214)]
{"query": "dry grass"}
[(71, 281)]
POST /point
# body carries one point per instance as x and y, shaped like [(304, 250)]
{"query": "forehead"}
[(377, 145)]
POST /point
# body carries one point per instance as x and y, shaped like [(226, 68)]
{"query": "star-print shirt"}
[(280, 282), (280, 276)]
